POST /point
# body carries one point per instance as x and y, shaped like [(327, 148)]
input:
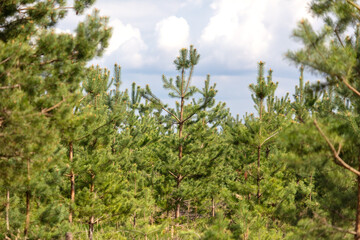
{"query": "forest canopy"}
[(83, 158)]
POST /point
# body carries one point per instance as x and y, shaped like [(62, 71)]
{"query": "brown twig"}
[(173, 174), (336, 153), (353, 4), (343, 79), (5, 60), (46, 110), (10, 87)]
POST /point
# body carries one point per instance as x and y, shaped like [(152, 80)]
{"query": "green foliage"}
[(79, 155)]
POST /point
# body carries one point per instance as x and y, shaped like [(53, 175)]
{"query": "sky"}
[(232, 36)]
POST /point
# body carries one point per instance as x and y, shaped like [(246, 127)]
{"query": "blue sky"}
[(230, 35)]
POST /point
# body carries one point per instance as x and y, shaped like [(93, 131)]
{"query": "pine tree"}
[(273, 114), (263, 192), (40, 72), (334, 54), (185, 150)]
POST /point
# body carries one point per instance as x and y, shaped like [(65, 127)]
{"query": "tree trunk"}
[(72, 182), (357, 225), (178, 202), (7, 210), (91, 228), (135, 188), (311, 178), (92, 219), (258, 178), (68, 236), (188, 211), (179, 179), (181, 126), (212, 207), (196, 215), (177, 212), (27, 221)]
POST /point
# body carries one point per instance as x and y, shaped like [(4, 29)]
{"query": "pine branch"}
[(312, 43), (162, 107), (343, 79), (353, 4), (5, 60), (268, 138), (10, 87), (172, 114), (48, 62), (188, 83), (190, 116), (46, 110), (338, 37), (198, 109), (84, 97), (96, 129), (173, 174), (336, 153), (323, 220), (20, 10)]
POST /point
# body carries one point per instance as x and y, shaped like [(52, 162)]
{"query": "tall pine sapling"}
[(183, 116)]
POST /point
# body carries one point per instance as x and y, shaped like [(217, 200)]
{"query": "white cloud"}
[(242, 32), (66, 31), (238, 25), (122, 34), (126, 44), (191, 3), (172, 33)]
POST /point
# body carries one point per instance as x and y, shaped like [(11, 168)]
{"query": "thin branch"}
[(268, 138), (343, 79), (5, 60), (313, 44), (84, 97), (98, 220), (10, 87), (335, 153), (188, 83), (62, 8), (173, 174), (343, 230), (192, 114), (50, 61), (177, 119), (323, 220), (353, 4), (80, 138), (33, 8), (182, 82), (338, 37), (339, 149), (46, 110), (162, 107)]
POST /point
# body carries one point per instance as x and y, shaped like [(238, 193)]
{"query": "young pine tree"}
[(185, 151)]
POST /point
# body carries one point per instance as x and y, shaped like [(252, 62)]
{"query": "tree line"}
[(82, 158)]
